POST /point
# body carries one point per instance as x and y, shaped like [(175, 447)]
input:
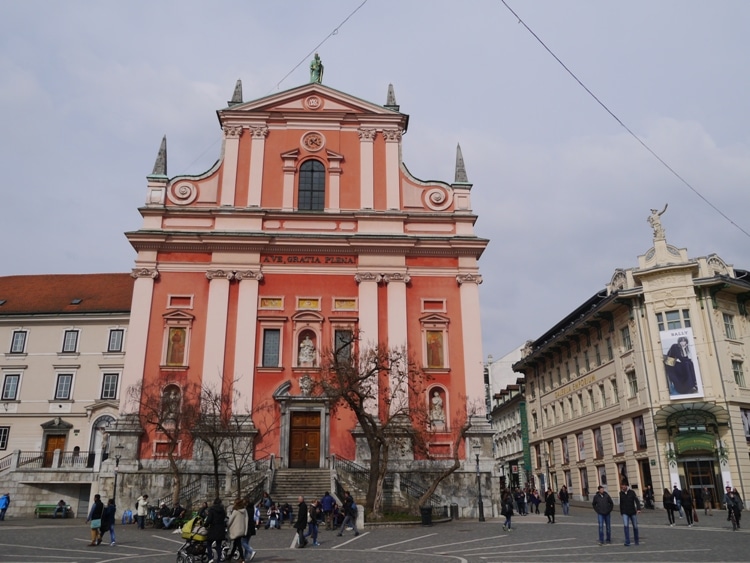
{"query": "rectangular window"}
[(739, 373), (18, 344), (586, 360), (603, 395), (4, 434), (598, 355), (10, 387), (591, 399), (625, 334), (565, 453), (640, 432), (581, 447), (271, 345), (610, 352), (70, 341), (619, 439), (64, 383), (632, 383), (584, 481), (343, 345), (535, 422), (602, 473), (115, 340), (674, 320), (729, 326), (551, 452), (598, 443), (559, 376), (109, 385), (615, 394)]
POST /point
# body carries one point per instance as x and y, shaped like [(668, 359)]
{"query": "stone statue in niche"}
[(437, 412), (306, 356)]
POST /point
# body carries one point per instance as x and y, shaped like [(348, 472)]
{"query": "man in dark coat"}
[(216, 523), (630, 507), (350, 514), (301, 523), (603, 506)]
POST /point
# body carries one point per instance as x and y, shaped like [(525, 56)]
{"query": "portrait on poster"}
[(681, 364)]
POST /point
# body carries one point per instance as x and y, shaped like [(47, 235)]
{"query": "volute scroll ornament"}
[(469, 278), (259, 131), (367, 276), (249, 275), (395, 277), (232, 131), (391, 135), (219, 275)]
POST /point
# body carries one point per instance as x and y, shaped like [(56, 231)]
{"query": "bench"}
[(43, 510)]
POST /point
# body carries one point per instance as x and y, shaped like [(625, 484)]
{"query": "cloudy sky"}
[(88, 89)]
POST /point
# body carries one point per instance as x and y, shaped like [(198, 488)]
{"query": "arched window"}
[(311, 194)]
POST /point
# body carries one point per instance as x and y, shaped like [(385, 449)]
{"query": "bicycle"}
[(733, 518)]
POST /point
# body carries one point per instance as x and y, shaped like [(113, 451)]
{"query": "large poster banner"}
[(681, 364)]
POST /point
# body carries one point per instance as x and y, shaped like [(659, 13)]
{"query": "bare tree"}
[(384, 389), (170, 410)]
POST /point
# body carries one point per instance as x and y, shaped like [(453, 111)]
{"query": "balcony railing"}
[(75, 460)]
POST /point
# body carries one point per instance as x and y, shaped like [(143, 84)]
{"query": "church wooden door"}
[(304, 440)]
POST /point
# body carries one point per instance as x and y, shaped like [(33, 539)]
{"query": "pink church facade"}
[(307, 230)]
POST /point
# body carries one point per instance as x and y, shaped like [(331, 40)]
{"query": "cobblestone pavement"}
[(571, 539)]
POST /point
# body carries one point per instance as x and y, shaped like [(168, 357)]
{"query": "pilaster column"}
[(135, 358), (366, 167), (392, 188), (245, 345), (334, 183), (368, 320), (257, 152), (216, 329), (232, 135), (472, 341), (397, 333), (290, 168)]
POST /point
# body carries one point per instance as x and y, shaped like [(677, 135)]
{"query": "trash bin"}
[(454, 511), (426, 512)]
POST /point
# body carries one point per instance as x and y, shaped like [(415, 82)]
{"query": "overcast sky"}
[(88, 89)]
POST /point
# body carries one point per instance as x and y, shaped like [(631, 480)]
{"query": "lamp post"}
[(118, 455), (480, 503)]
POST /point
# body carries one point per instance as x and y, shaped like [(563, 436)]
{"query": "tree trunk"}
[(377, 508)]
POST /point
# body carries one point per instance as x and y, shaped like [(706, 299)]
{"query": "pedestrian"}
[(677, 495), (249, 532), (536, 499), (217, 531), (350, 514), (630, 507), (565, 500), (648, 498), (312, 522), (549, 502), (687, 504), (95, 520), (326, 503), (108, 520), (603, 506), (237, 528), (4, 504), (203, 512), (506, 509), (707, 499), (669, 505), (733, 503), (521, 501), (301, 524), (141, 509)]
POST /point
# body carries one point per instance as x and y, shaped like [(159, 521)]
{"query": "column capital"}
[(468, 278), (232, 131), (219, 275), (396, 277), (366, 134), (360, 277), (249, 275), (259, 131), (152, 273), (391, 135)]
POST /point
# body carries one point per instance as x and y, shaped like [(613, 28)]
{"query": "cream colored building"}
[(63, 350), (646, 380)]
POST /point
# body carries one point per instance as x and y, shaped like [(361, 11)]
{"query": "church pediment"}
[(56, 423), (314, 98), (434, 319)]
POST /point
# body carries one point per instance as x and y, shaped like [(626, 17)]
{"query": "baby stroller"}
[(195, 548)]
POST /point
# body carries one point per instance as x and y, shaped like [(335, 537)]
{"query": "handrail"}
[(6, 462)]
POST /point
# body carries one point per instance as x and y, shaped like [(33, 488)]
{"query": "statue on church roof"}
[(316, 70), (655, 220)]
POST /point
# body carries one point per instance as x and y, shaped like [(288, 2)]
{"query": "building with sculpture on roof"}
[(307, 231), (646, 381)]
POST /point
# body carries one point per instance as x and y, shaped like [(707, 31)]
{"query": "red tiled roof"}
[(55, 293)]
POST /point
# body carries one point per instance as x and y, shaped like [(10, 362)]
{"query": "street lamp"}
[(480, 503), (118, 455)]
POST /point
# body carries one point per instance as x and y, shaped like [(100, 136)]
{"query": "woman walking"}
[(669, 505), (507, 510), (108, 520), (237, 528), (95, 519), (549, 501), (687, 504)]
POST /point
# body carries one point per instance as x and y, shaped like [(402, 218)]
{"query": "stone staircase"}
[(288, 484)]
